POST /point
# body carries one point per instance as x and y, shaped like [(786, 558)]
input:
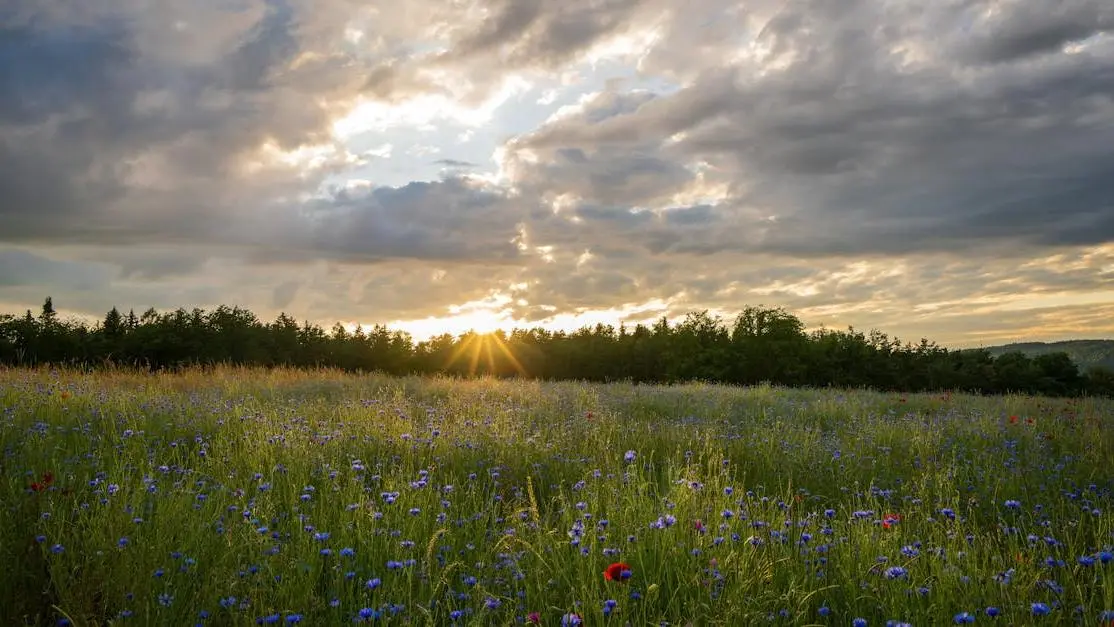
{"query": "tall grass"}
[(231, 497)]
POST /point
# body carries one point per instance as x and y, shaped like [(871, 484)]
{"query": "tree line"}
[(760, 345)]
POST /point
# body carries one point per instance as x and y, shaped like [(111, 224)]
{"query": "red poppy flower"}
[(534, 618), (1013, 420), (45, 482), (618, 571)]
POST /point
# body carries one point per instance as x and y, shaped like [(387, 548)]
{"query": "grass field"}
[(241, 497)]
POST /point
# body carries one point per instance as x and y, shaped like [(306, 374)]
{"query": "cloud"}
[(870, 140)]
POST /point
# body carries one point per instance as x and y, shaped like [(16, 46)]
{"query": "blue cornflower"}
[(57, 548), (896, 572), (492, 603), (1039, 609), (824, 610), (1012, 504), (373, 583), (963, 617), (165, 599), (629, 456), (858, 622), (993, 612), (347, 552), (609, 606), (294, 618)]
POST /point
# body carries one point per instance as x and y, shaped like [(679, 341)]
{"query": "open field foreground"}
[(242, 497)]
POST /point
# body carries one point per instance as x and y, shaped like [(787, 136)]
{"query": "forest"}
[(760, 345)]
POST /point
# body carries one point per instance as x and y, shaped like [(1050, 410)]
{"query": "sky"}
[(933, 169)]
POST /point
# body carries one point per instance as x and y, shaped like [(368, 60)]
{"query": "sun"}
[(488, 349), (482, 321)]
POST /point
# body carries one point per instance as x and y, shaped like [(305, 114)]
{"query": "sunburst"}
[(485, 347)]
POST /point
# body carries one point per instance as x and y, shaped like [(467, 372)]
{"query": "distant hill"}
[(1085, 353)]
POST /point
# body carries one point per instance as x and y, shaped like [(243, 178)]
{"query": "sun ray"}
[(509, 354), (484, 349)]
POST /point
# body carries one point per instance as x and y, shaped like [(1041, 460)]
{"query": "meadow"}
[(243, 497)]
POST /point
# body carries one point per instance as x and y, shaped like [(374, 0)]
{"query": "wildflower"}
[(609, 606), (993, 611), (571, 620), (858, 622), (889, 520), (896, 572), (534, 618), (618, 571), (629, 456), (963, 618), (1039, 609)]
